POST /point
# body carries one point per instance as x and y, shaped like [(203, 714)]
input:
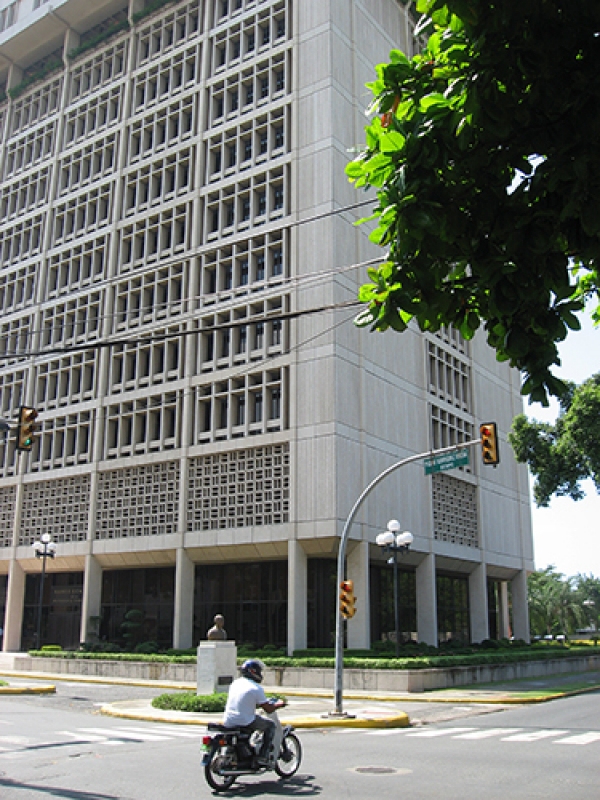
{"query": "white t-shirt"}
[(243, 698)]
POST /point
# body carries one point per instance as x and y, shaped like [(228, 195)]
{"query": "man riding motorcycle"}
[(245, 696)]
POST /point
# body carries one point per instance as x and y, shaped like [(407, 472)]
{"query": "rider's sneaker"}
[(262, 761)]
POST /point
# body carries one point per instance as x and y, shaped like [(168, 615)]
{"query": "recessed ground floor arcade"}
[(287, 602)]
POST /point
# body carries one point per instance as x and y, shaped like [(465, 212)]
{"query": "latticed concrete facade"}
[(178, 259)]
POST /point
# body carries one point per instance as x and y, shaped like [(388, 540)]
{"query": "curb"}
[(398, 720), (185, 687), (27, 690)]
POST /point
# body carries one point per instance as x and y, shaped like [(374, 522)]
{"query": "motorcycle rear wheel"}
[(289, 757), (214, 779)]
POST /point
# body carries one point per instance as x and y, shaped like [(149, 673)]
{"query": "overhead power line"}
[(155, 338)]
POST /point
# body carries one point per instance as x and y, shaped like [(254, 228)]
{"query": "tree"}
[(588, 591), (562, 455), (485, 160), (132, 628), (554, 606)]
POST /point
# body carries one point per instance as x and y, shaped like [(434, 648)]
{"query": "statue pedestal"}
[(217, 667)]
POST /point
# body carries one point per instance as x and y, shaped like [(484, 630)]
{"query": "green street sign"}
[(444, 461)]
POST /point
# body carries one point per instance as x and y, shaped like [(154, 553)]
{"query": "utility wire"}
[(155, 338), (237, 296), (153, 401)]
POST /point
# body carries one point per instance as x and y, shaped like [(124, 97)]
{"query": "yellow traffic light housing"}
[(26, 429), (489, 443), (347, 599)]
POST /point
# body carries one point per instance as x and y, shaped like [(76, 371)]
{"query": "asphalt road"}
[(58, 746)]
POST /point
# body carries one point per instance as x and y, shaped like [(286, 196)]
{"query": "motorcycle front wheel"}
[(212, 773), (289, 757)]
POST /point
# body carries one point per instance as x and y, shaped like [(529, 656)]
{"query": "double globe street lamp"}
[(43, 549), (393, 542)]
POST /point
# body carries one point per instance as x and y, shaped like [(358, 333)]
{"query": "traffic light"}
[(26, 429), (347, 599), (489, 443)]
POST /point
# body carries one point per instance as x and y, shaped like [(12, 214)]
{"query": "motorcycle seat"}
[(216, 726)]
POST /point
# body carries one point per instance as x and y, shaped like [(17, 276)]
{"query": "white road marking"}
[(91, 738), (487, 733), (170, 732), (580, 738), (121, 733), (533, 736), (430, 733), (24, 740), (88, 737), (474, 734)]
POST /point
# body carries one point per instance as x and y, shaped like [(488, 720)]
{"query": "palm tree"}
[(554, 604)]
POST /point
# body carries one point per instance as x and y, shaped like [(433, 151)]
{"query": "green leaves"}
[(492, 100), (391, 141), (555, 603), (562, 455)]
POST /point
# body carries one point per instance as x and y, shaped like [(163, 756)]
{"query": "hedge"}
[(483, 657), (188, 701)]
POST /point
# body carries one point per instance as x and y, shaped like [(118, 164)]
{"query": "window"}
[(262, 208), (258, 407), (277, 261), (278, 197), (246, 215), (263, 142)]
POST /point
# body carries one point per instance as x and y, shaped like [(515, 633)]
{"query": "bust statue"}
[(217, 632)]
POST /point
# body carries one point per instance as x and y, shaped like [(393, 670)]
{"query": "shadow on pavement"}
[(298, 786), (51, 791)]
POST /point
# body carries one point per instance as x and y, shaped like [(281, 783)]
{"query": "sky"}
[(567, 533)]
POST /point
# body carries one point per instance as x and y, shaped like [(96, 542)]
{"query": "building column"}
[(91, 601), (15, 599), (427, 602), (504, 621), (478, 604), (297, 617), (183, 625), (520, 607), (357, 569)]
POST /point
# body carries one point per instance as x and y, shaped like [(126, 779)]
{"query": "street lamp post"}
[(43, 549), (394, 542)]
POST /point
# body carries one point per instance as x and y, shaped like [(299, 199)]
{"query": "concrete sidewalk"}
[(313, 708)]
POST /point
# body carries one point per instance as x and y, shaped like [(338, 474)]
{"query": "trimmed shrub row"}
[(352, 659), (188, 701)]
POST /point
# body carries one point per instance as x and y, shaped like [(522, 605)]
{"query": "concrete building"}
[(179, 263)]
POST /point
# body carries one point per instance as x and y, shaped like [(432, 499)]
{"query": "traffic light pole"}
[(341, 562)]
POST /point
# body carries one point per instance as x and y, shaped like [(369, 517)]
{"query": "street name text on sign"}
[(444, 461)]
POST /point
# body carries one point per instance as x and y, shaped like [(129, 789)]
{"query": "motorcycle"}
[(231, 752)]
